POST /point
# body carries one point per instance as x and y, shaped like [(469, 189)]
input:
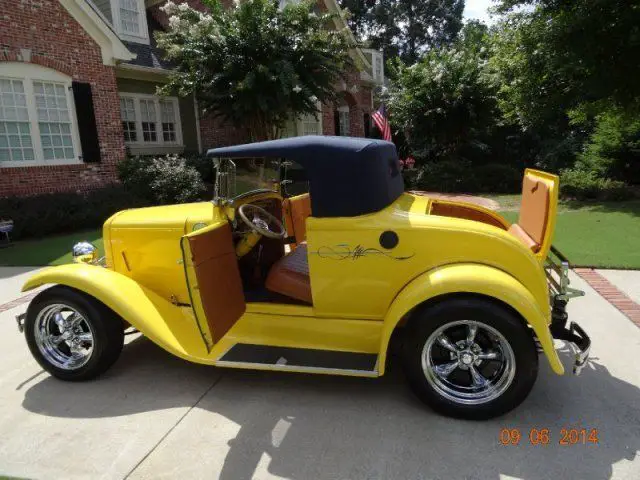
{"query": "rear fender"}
[(170, 326), (476, 279)]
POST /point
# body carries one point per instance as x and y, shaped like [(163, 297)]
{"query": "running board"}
[(266, 357)]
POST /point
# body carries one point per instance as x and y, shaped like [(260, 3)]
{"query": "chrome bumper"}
[(557, 268), (581, 341)]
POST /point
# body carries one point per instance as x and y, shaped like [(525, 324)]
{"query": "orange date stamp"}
[(544, 436)]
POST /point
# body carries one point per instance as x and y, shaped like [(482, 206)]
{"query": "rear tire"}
[(470, 358), (72, 336)]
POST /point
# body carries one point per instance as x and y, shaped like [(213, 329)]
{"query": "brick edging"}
[(18, 301), (611, 293)]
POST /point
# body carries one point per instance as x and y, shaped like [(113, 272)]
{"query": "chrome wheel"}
[(63, 336), (468, 362)]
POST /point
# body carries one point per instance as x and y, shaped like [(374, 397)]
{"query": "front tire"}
[(72, 335), (470, 358)]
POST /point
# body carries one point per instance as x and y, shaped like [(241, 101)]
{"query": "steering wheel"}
[(261, 220)]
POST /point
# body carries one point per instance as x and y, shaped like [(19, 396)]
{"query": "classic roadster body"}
[(224, 283)]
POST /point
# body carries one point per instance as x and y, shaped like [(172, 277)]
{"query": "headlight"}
[(84, 252)]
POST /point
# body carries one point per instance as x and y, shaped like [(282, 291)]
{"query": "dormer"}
[(128, 18)]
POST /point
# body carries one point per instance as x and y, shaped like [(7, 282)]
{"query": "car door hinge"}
[(177, 303)]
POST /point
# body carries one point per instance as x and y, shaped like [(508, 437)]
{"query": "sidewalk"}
[(11, 281)]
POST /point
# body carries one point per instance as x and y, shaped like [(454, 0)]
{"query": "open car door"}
[(213, 280)]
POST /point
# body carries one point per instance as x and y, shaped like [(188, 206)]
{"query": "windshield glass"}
[(256, 173)]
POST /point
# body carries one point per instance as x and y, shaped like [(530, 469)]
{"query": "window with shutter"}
[(38, 124)]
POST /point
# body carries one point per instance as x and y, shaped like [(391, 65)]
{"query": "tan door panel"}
[(214, 281)]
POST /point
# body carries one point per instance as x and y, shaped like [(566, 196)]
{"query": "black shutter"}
[(87, 127), (336, 121), (367, 125)]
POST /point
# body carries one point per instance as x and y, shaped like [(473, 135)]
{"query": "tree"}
[(405, 28), (561, 65), (358, 18), (613, 149), (570, 54), (255, 65), (446, 103)]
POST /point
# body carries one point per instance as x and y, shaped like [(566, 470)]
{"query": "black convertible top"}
[(348, 176)]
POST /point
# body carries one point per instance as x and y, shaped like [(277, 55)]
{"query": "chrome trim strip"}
[(294, 368)]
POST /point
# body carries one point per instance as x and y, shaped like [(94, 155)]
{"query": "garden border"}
[(611, 294)]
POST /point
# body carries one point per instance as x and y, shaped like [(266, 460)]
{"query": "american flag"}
[(382, 122)]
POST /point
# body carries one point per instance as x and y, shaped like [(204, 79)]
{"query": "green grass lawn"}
[(47, 251), (594, 234)]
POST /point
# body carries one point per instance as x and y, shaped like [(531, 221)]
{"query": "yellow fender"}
[(471, 278), (170, 326)]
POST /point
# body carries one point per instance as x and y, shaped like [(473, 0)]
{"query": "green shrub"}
[(53, 213), (613, 149), (411, 178), (461, 177), (496, 178), (449, 176), (203, 165), (161, 180), (587, 185)]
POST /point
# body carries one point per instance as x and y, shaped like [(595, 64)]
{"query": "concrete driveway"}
[(155, 416)]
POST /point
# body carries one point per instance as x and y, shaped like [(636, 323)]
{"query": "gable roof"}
[(93, 22), (341, 24), (150, 55)]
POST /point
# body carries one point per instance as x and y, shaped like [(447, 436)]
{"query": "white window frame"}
[(284, 3), (347, 110), (140, 143), (29, 73), (117, 23), (378, 61), (302, 119)]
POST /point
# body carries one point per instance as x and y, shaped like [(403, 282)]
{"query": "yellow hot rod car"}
[(358, 260)]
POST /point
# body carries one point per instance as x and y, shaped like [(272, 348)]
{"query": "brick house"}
[(77, 90)]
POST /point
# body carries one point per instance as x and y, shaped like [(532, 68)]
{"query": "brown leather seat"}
[(534, 212), (289, 276), (296, 211)]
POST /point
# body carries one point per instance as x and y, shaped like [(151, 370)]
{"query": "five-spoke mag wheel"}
[(71, 334), (64, 336), (468, 362), (470, 357)]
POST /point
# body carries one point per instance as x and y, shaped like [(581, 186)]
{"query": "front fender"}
[(171, 327), (471, 278)]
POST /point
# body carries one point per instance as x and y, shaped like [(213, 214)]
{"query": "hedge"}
[(54, 213)]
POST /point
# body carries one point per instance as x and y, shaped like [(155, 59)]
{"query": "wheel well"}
[(98, 302), (413, 314)]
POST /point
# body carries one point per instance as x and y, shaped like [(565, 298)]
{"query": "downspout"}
[(197, 113)]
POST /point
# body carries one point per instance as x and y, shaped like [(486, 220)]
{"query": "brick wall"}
[(215, 133), (357, 95), (57, 41)]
